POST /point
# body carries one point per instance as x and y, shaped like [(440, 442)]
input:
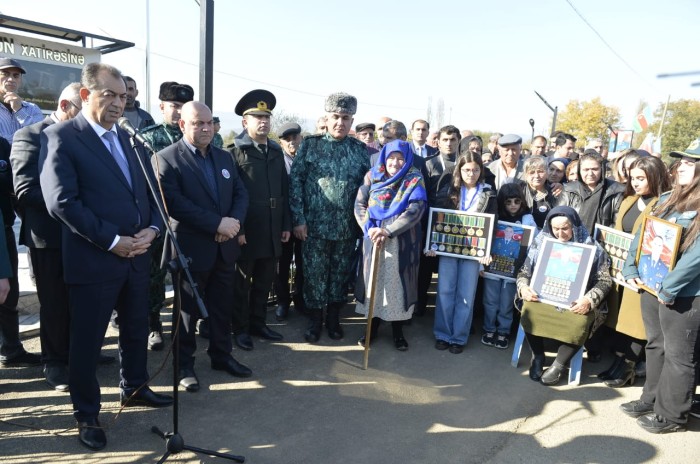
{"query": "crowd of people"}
[(261, 214)]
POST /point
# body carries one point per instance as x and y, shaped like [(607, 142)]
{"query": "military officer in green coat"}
[(172, 96), (267, 224), (327, 172)]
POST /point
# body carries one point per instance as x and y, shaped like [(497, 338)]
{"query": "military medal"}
[(465, 251), (441, 248), (479, 232), (447, 229), (480, 253)]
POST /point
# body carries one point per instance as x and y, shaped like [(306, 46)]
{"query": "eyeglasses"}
[(79, 108), (471, 171)]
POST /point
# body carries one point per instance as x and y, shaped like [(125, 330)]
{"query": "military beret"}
[(291, 128), (172, 91), (341, 103), (216, 120), (509, 139), (7, 63), (693, 150), (258, 102), (365, 125)]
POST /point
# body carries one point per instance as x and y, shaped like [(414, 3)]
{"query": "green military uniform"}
[(162, 135), (324, 180), (218, 141)]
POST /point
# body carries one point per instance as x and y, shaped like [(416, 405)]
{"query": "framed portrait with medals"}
[(508, 250), (657, 251), (459, 234), (617, 244), (561, 272)]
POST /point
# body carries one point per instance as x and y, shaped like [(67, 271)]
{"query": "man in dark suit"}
[(91, 182), (420, 129), (207, 203), (42, 235)]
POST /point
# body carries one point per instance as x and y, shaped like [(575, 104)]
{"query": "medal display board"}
[(617, 244), (509, 248), (561, 272), (459, 234)]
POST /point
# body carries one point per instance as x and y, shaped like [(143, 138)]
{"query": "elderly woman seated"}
[(572, 326)]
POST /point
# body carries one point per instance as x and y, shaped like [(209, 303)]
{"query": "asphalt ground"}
[(315, 404)]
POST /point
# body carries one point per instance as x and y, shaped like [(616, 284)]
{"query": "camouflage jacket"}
[(162, 135), (218, 141), (323, 184)]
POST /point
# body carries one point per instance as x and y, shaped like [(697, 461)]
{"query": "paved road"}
[(314, 404)]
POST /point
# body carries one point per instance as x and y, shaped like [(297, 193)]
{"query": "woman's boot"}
[(606, 374), (399, 341), (623, 374)]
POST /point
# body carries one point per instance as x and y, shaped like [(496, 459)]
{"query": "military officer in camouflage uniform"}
[(172, 96), (218, 140), (326, 174), (261, 168)]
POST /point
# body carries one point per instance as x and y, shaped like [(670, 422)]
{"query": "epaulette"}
[(314, 136), (150, 128)]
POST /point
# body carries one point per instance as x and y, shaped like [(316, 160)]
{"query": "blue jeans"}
[(457, 279), (498, 305)]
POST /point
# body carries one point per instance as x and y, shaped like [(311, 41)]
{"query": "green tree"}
[(681, 125), (588, 119), (228, 138), (279, 118)]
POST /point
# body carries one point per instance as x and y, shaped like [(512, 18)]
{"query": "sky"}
[(484, 59)]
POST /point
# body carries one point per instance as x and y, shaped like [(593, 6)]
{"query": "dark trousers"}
[(54, 315), (10, 345), (290, 249), (156, 286), (216, 289), (251, 286), (672, 355), (90, 309)]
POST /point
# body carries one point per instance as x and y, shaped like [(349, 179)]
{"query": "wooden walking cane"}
[(371, 291)]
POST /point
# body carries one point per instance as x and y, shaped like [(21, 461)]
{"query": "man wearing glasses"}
[(14, 111)]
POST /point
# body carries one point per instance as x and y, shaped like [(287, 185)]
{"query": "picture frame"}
[(657, 251), (562, 271), (505, 256), (459, 234), (617, 244)]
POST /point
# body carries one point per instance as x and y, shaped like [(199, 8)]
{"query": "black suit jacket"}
[(195, 214), (38, 229), (84, 189)]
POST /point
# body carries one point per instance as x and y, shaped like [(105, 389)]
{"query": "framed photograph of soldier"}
[(657, 251), (510, 243), (616, 243), (459, 234), (560, 275)]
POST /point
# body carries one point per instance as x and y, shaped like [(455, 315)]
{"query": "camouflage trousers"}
[(156, 285), (327, 265)]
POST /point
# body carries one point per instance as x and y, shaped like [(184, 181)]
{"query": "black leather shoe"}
[(243, 341), (607, 374), (57, 377), (266, 333), (282, 312), (25, 359), (188, 379), (203, 328), (623, 374), (441, 345), (91, 434), (536, 368), (456, 349), (400, 343), (313, 332), (637, 408), (654, 423), (104, 359), (552, 376), (145, 397), (233, 367)]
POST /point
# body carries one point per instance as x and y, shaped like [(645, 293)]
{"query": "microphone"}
[(126, 125)]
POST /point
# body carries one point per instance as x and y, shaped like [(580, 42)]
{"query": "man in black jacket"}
[(267, 225)]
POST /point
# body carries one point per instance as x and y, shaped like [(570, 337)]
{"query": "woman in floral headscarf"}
[(389, 207)]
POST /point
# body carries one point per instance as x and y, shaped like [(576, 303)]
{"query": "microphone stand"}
[(174, 443)]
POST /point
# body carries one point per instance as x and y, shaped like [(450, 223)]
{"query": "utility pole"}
[(206, 52)]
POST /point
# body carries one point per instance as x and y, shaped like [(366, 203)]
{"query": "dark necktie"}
[(121, 162), (263, 148), (208, 173)]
